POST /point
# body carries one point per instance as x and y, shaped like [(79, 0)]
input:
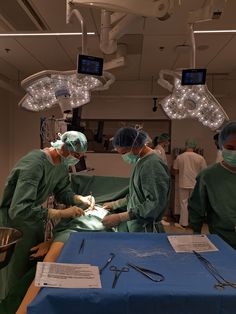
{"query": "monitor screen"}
[(193, 77), (90, 65)]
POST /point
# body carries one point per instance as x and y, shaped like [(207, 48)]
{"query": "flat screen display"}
[(90, 65), (193, 77)]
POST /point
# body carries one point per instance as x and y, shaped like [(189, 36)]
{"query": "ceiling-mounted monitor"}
[(193, 77), (90, 65)]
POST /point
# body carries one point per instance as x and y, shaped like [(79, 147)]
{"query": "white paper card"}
[(62, 275), (189, 243)]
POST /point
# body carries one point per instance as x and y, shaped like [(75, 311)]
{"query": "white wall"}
[(25, 129), (23, 126)]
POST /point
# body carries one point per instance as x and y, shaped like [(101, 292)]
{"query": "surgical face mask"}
[(130, 158), (229, 156), (69, 160)]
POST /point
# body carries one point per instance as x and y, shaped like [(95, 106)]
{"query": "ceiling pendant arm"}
[(75, 12), (193, 47), (110, 33)]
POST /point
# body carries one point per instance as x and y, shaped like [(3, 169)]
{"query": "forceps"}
[(221, 282), (151, 274), (112, 255), (117, 273)]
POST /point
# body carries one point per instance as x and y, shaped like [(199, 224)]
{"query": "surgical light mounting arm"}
[(116, 15), (161, 9)]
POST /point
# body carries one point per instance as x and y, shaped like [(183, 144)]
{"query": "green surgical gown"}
[(149, 190), (214, 200), (28, 186)]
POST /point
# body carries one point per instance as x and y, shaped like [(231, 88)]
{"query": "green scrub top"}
[(28, 186), (149, 191), (214, 200)]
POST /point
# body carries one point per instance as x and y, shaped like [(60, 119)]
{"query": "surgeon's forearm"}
[(54, 213), (122, 202), (124, 216)]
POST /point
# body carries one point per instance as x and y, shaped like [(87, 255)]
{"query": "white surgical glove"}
[(86, 200), (115, 219), (108, 206), (115, 204), (65, 213)]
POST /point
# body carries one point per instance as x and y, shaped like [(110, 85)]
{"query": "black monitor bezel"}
[(82, 57), (203, 82)]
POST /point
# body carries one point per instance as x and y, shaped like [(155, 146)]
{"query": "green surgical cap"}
[(191, 143), (73, 140), (163, 137)]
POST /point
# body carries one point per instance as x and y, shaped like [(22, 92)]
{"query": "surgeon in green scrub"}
[(214, 197), (149, 186), (34, 178)]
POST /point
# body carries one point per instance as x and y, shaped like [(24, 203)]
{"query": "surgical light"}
[(66, 88), (191, 102), (194, 100), (69, 89)]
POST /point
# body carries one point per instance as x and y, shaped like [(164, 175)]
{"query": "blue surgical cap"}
[(163, 137), (191, 143), (74, 141), (228, 132), (129, 137)]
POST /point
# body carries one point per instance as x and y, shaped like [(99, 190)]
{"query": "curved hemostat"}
[(194, 101), (46, 89)]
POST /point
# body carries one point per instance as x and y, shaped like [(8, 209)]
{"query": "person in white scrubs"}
[(188, 165), (163, 141)]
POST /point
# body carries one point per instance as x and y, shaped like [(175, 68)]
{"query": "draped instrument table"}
[(187, 288)]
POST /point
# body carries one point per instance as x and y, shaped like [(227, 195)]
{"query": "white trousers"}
[(184, 195)]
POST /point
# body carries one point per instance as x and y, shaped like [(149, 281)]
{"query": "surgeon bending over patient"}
[(35, 177), (149, 186)]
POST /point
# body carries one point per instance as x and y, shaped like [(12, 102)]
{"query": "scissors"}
[(112, 255), (151, 274), (117, 273), (221, 281)]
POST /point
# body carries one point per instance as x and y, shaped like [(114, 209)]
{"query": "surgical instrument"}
[(150, 274), (112, 255), (117, 274), (221, 282), (81, 248)]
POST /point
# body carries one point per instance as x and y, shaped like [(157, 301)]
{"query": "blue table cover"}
[(188, 288)]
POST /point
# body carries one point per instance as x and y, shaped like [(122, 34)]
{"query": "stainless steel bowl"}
[(8, 239)]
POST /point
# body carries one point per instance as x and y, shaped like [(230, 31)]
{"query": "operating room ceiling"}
[(152, 44)]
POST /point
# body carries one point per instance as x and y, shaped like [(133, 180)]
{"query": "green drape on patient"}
[(103, 189)]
